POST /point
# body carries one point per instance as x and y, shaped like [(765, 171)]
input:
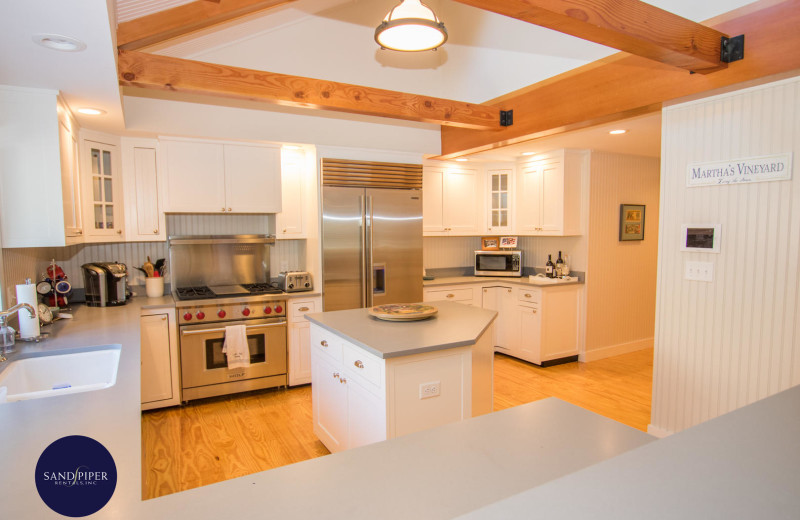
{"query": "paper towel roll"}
[(28, 326)]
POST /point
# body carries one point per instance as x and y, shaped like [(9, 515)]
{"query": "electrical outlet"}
[(430, 389), (699, 271)]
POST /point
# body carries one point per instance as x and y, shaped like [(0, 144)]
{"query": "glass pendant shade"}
[(411, 26)]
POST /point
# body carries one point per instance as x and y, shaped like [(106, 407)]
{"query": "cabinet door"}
[(432, 216), (552, 208), (329, 403), (252, 179), (530, 333), (299, 354), (103, 192), (499, 201), (195, 174), (501, 299), (70, 181), (155, 358), (462, 208), (143, 205), (529, 199), (366, 416), (289, 222)]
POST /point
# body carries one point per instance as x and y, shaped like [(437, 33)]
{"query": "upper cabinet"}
[(144, 205), (220, 177), (452, 203), (549, 194), (290, 222), (40, 196), (102, 188), (499, 204)]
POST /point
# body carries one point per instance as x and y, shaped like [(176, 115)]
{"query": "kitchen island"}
[(374, 380)]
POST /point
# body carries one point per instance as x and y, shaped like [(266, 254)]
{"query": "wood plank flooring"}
[(221, 438)]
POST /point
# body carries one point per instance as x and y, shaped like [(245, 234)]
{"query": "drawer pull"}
[(527, 295), (324, 343), (336, 375), (451, 295), (303, 309), (359, 364)]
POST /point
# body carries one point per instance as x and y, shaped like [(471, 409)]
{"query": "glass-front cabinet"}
[(102, 191), (499, 199)]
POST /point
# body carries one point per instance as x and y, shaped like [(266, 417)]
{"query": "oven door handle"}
[(222, 329)]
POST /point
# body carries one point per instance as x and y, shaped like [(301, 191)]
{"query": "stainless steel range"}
[(221, 281)]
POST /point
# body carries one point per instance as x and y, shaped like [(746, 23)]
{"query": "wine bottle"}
[(559, 266), (549, 268)]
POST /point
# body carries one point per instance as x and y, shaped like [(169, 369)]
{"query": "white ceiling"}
[(486, 56)]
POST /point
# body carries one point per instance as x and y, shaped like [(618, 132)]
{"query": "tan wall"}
[(621, 276)]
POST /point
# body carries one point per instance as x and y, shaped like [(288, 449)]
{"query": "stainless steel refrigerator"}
[(371, 247)]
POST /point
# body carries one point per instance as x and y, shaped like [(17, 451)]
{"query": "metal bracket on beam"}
[(506, 117), (732, 49)]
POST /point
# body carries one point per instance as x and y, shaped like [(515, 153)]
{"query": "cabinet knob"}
[(303, 309), (534, 311), (527, 295), (342, 380), (336, 375), (155, 231), (284, 230), (79, 232), (119, 231), (163, 318), (229, 209), (451, 296), (223, 209), (359, 364), (323, 343)]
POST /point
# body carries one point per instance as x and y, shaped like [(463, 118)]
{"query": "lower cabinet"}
[(453, 293), (299, 340), (160, 383)]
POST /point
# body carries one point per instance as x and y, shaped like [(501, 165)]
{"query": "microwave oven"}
[(498, 263)]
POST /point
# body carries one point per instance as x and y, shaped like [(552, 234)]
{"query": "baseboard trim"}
[(615, 350), (655, 431)]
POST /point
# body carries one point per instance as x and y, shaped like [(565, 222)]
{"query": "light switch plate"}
[(699, 271)]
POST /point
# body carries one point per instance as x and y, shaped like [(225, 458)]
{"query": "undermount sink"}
[(60, 374)]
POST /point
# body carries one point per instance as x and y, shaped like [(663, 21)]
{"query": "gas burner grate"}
[(194, 293), (261, 288)]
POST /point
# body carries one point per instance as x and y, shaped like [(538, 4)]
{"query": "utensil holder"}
[(154, 287)]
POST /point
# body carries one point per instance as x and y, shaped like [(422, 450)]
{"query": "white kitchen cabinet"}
[(500, 192), (144, 213), (548, 197), (102, 192), (466, 294), (160, 385), (545, 322), (221, 177), (501, 299), (39, 173), (329, 404), (452, 202), (299, 336), (290, 222)]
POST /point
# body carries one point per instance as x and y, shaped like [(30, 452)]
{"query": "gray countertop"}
[(455, 325), (522, 281)]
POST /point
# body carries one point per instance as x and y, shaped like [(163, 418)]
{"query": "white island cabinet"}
[(373, 380)]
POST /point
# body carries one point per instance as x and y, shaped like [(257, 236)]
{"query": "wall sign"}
[(740, 171)]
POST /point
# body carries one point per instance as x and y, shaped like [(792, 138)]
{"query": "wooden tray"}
[(403, 312)]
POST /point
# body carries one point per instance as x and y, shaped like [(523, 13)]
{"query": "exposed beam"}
[(628, 25), (184, 19), (150, 71), (622, 85)]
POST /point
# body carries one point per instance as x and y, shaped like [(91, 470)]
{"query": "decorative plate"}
[(403, 311)]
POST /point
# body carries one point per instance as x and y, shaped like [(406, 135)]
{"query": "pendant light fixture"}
[(411, 26)]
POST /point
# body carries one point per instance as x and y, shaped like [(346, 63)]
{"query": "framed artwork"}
[(631, 222), (490, 243), (700, 238), (508, 242)]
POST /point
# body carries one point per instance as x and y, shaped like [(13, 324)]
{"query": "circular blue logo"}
[(76, 476)]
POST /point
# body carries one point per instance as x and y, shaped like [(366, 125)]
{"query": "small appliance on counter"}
[(295, 281), (498, 263), (106, 284)]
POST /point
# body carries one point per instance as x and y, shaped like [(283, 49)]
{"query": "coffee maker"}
[(106, 283)]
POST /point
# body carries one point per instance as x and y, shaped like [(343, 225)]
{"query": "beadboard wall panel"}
[(621, 285), (440, 252), (728, 343)]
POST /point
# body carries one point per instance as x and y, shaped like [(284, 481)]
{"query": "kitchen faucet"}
[(4, 328)]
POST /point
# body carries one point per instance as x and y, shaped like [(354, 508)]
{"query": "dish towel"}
[(235, 346)]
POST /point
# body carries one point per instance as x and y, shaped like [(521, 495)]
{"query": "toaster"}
[(295, 281)]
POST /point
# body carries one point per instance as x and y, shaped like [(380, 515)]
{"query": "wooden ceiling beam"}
[(628, 25), (150, 71), (184, 19), (623, 85)]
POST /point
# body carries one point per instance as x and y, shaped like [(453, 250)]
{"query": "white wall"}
[(725, 344)]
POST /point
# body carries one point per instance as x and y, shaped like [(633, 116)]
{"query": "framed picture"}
[(490, 243), (701, 238), (509, 242), (631, 222)]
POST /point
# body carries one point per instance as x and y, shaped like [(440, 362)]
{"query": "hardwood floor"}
[(221, 438)]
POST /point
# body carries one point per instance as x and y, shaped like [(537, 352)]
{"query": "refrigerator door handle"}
[(368, 276), (362, 202)]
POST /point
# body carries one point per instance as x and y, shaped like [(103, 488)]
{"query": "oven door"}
[(203, 363)]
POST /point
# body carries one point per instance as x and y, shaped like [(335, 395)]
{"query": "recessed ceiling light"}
[(617, 132), (58, 42), (461, 160), (91, 111), (528, 153)]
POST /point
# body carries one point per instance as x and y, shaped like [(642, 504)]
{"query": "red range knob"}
[(267, 310), (245, 312), (201, 315), (221, 314), (187, 316), (278, 309)]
